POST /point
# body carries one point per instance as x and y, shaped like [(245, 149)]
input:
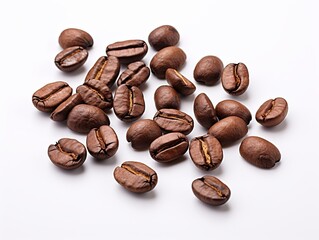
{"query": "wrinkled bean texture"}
[(163, 36), (71, 37), (208, 70), (62, 111), (229, 107), (70, 59), (136, 74), (235, 78), (204, 111), (166, 97)]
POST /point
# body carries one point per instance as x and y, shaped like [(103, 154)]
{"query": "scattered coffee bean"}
[(211, 190), (208, 70), (47, 98), (142, 133), (259, 152), (206, 152), (71, 58), (180, 83), (235, 78), (228, 108), (272, 112), (166, 97), (163, 36), (136, 177), (67, 153), (102, 143), (75, 37), (169, 147), (136, 74), (204, 111)]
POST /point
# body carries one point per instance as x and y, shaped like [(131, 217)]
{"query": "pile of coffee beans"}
[(164, 136)]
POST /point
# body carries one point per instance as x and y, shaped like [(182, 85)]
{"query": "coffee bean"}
[(173, 120), (208, 70), (102, 143), (180, 83), (67, 153), (235, 78), (71, 58), (211, 190), (163, 36), (127, 51), (47, 98), (128, 103), (229, 130), (272, 112), (228, 108), (169, 147), (169, 57), (136, 74), (142, 133), (259, 152), (62, 111), (84, 117), (136, 177), (75, 37), (96, 93), (206, 152), (204, 111), (106, 69), (166, 97)]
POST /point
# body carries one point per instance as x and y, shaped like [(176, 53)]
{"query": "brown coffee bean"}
[(206, 152), (102, 143), (127, 51), (180, 83), (211, 190), (128, 103), (136, 74), (204, 111), (272, 112), (259, 152), (106, 69), (62, 111), (166, 97), (67, 153), (142, 133), (169, 147), (169, 57), (228, 108), (84, 117), (75, 37), (136, 177), (235, 78), (229, 130), (173, 120), (96, 93), (163, 36), (47, 98), (208, 70), (71, 58)]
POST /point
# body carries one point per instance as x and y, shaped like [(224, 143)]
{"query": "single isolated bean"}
[(180, 83), (204, 111), (71, 37), (229, 107), (71, 58), (208, 70), (136, 74), (166, 97), (235, 78), (163, 36)]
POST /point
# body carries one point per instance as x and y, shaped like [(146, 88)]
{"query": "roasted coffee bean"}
[(47, 98), (67, 153), (96, 93), (163, 36), (128, 103), (169, 57), (136, 74), (272, 112), (106, 69), (102, 143), (127, 51), (206, 152), (84, 117), (75, 37), (259, 152), (71, 58), (166, 97), (204, 111), (235, 78), (229, 130), (136, 177), (228, 108), (208, 70), (142, 133), (169, 147), (62, 111), (180, 83), (211, 190), (173, 120)]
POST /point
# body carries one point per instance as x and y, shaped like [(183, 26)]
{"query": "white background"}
[(277, 40)]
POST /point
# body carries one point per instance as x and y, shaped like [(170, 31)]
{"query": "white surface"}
[(277, 40)]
